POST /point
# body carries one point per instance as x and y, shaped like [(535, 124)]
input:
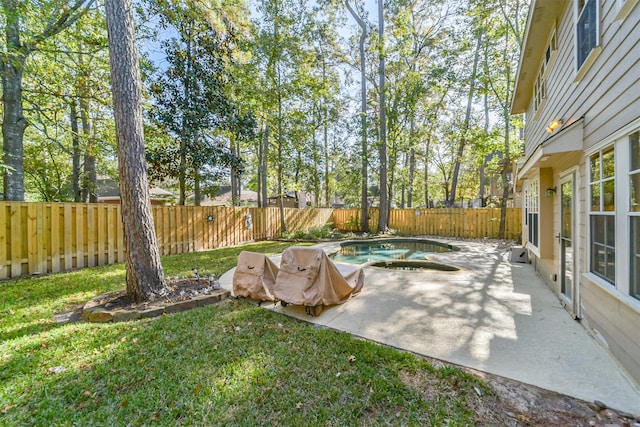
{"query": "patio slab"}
[(494, 316)]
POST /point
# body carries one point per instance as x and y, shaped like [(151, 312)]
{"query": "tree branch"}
[(59, 23)]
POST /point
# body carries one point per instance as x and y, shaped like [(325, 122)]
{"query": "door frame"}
[(571, 305)]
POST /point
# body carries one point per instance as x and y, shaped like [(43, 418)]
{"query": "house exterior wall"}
[(607, 96), (606, 100)]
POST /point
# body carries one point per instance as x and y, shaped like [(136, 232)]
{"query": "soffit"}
[(542, 19), (556, 149)]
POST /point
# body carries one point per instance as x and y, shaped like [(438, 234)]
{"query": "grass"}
[(231, 364)]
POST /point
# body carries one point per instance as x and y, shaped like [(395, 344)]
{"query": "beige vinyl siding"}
[(583, 219), (608, 96), (615, 321)]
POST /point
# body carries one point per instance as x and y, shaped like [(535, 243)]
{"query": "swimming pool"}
[(388, 249)]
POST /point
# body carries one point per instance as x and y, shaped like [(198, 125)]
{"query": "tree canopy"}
[(273, 96)]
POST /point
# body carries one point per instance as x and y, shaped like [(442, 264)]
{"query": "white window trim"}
[(594, 277), (624, 8), (553, 40), (529, 245), (588, 63), (628, 213), (621, 289), (595, 52), (541, 80)]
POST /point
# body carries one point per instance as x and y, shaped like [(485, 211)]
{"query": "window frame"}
[(532, 212), (624, 8), (633, 214), (622, 290), (581, 68), (601, 212), (540, 83)]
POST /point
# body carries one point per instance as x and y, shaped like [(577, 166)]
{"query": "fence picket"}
[(73, 235), (4, 239)]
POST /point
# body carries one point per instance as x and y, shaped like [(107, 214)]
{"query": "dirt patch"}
[(178, 296), (512, 403), (175, 291)]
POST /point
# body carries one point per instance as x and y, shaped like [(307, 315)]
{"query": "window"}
[(634, 212), (540, 84), (634, 171), (531, 209), (586, 29), (539, 92), (550, 53), (602, 215)]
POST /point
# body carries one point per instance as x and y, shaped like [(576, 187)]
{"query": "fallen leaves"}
[(7, 408), (57, 369)]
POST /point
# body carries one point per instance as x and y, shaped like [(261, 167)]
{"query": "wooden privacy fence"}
[(467, 223), (39, 238)]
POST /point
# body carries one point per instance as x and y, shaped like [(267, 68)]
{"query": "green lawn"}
[(231, 364)]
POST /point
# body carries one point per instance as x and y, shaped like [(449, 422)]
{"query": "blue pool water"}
[(388, 249)]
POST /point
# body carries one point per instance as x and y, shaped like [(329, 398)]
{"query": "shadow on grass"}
[(225, 365), (28, 304)]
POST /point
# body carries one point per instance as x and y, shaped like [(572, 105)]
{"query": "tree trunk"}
[(12, 62), (327, 190), (325, 131), (463, 139), (364, 201), (507, 153), (316, 169), (426, 170), (145, 277), (264, 166), (197, 195), (235, 174), (481, 193), (384, 200), (13, 121), (412, 164), (283, 223), (89, 176), (75, 153)]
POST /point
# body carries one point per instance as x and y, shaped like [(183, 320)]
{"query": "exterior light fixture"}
[(551, 191), (553, 125)]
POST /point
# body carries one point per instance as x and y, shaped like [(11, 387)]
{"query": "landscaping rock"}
[(151, 312), (100, 316), (114, 307), (126, 315)]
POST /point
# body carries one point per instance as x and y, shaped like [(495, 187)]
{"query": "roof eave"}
[(542, 17)]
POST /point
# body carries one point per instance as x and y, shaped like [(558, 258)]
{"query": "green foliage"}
[(231, 364), (68, 68), (191, 103)]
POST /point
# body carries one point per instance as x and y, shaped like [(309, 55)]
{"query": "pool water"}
[(387, 249)]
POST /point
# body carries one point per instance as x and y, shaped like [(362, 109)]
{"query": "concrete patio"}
[(493, 315)]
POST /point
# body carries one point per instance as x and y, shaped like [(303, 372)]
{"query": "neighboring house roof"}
[(108, 189), (542, 19), (246, 196)]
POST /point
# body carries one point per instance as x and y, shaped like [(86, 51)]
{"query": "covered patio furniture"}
[(309, 278), (255, 276)]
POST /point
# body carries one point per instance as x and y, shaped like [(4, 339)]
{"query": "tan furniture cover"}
[(308, 277), (255, 276)]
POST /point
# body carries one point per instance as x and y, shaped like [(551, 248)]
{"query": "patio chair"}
[(309, 278), (254, 277)]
